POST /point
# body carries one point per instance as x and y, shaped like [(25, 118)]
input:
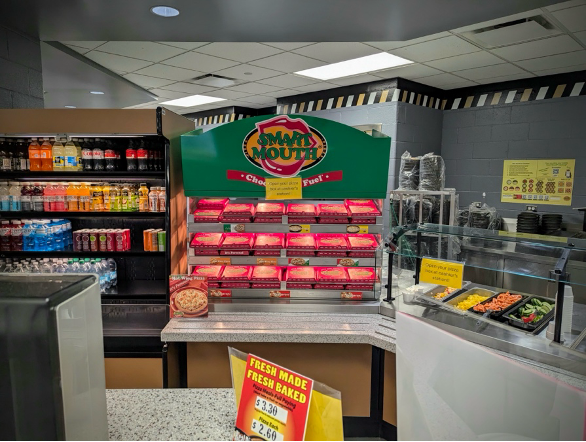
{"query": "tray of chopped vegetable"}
[(532, 314), (443, 293), (499, 304), (469, 298)]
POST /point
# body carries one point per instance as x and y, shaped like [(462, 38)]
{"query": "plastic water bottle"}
[(75, 266), (61, 267), (57, 234), (86, 267), (68, 235), (34, 267), (28, 236), (46, 266), (113, 272), (104, 275), (41, 234)]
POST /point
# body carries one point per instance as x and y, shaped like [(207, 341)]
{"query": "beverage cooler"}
[(320, 250), (94, 191)]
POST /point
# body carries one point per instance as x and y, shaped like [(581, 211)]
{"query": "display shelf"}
[(293, 293), (80, 175), (253, 260), (72, 254), (138, 288), (76, 215)]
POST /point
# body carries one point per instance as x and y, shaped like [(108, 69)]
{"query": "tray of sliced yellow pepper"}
[(470, 298)]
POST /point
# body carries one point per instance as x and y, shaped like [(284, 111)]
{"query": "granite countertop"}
[(373, 329), (171, 414)]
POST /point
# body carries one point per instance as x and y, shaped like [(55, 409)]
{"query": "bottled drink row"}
[(35, 235), (79, 154), (80, 197), (105, 268)]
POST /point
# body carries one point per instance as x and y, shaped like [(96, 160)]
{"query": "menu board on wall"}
[(538, 181)]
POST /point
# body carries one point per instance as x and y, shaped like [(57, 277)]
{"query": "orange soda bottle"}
[(46, 155), (73, 197), (34, 155)]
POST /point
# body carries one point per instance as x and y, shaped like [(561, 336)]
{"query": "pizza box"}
[(359, 287), (297, 209), (362, 220), (270, 209), (300, 253), (267, 252), (363, 211), (331, 274), (213, 285), (213, 273), (206, 215), (238, 209), (329, 286), (237, 240), (235, 252), (235, 285), (300, 274), (331, 241), (212, 203), (361, 254), (361, 275), (235, 219), (205, 252), (188, 296), (302, 220), (266, 285), (268, 219), (266, 273), (299, 285), (204, 240), (301, 241), (359, 202), (269, 241), (330, 254), (236, 273), (361, 241), (332, 210)]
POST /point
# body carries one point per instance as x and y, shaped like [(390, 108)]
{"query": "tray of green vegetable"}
[(532, 313)]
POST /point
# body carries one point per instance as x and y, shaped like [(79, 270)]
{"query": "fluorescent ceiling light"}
[(97, 93), (165, 11), (70, 107), (356, 66), (193, 100)]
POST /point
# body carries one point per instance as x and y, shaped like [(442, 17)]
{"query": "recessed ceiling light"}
[(97, 92), (356, 66), (248, 73), (193, 100), (165, 11), (70, 107)]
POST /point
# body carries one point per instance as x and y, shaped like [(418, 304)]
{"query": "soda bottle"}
[(5, 160), (60, 197), (131, 163), (15, 196), (154, 199), (21, 156), (142, 156), (5, 234), (73, 197), (110, 157), (97, 198), (162, 199), (87, 155), (26, 197), (16, 236), (49, 197), (143, 198), (106, 193), (37, 197), (70, 151), (78, 159), (98, 155), (84, 197), (4, 196), (115, 198), (58, 155), (151, 161), (126, 201), (46, 155), (34, 155)]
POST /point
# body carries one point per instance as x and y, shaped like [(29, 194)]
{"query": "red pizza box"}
[(270, 209), (237, 209), (362, 220), (266, 285), (329, 286), (266, 274), (300, 274), (213, 285), (298, 285), (236, 273), (359, 287), (332, 210), (361, 275), (268, 219), (235, 219), (213, 273), (301, 241), (235, 252), (331, 274), (212, 203), (302, 220), (204, 240), (362, 241), (300, 253), (363, 211), (340, 254), (266, 252), (269, 241), (236, 240), (359, 202), (205, 252), (206, 215), (327, 220), (235, 285), (361, 254), (331, 241), (297, 209), (188, 296)]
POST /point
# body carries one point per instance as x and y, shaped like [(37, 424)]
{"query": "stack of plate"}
[(431, 172), (551, 223), (409, 173), (480, 219), (528, 222)]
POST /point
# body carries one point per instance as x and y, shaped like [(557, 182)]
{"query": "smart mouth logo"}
[(283, 146)]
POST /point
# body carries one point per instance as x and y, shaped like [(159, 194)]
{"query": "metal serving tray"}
[(498, 314), (527, 326), (440, 288), (471, 291)]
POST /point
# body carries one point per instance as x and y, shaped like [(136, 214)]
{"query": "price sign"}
[(435, 271), (283, 188), (274, 402)]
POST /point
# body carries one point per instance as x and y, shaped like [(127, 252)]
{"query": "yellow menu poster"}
[(538, 182)]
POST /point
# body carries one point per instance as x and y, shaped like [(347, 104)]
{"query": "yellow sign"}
[(538, 182), (283, 188), (439, 272)]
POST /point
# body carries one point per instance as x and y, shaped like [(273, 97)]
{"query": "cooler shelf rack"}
[(80, 175), (294, 293), (77, 215), (72, 254)]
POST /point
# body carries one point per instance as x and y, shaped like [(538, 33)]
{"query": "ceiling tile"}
[(188, 88), (283, 93), (248, 72), (458, 85), (78, 49), (496, 21), (554, 61), (564, 5), (466, 61), (253, 88), (333, 52), (84, 44), (572, 18), (169, 72), (144, 81), (436, 49), (143, 50), (409, 72), (489, 71), (223, 93), (581, 36), (501, 78), (260, 99), (579, 67), (356, 79), (163, 93), (200, 62), (441, 80), (321, 86), (288, 46), (289, 81), (540, 48), (117, 62), (288, 62), (187, 45), (242, 52), (388, 45)]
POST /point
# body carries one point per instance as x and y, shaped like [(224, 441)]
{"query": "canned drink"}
[(161, 237), (126, 239), (102, 240), (94, 240), (146, 239), (85, 240), (77, 241), (110, 240), (120, 240), (154, 240)]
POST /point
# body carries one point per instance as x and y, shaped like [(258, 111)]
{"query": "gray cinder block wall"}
[(21, 78), (476, 141)]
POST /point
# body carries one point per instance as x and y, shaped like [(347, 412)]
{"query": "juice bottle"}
[(97, 198), (16, 236), (84, 197), (78, 154), (154, 200), (49, 197), (126, 202), (46, 155), (162, 199), (115, 198), (70, 152), (134, 190), (58, 155), (4, 196), (26, 198), (37, 197), (15, 193), (106, 192), (73, 197), (34, 155), (60, 197), (143, 198), (5, 235)]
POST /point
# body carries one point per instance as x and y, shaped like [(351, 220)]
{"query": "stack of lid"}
[(409, 173), (431, 172), (528, 222), (480, 219), (551, 223)]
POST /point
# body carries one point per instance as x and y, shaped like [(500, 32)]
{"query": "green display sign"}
[(332, 159)]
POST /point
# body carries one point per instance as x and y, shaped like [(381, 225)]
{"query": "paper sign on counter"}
[(435, 271), (283, 188)]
